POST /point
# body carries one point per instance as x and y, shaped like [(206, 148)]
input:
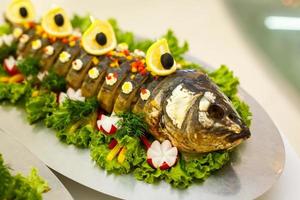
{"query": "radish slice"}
[(162, 155), (71, 94), (10, 66), (108, 125)]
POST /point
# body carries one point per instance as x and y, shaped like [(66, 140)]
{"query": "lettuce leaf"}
[(38, 107), (184, 173), (80, 137), (99, 151), (226, 80), (19, 186), (175, 48), (13, 92), (81, 22), (243, 109)]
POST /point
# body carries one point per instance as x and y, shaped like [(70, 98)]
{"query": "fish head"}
[(209, 121), (219, 126)]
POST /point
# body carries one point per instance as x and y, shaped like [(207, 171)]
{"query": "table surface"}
[(214, 37)]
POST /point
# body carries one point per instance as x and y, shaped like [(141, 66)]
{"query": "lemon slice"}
[(99, 38), (159, 59), (56, 23), (20, 11)]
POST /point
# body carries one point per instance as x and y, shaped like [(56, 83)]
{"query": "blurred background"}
[(258, 39)]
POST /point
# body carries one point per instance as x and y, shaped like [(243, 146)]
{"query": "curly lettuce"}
[(79, 136), (13, 92), (184, 173), (39, 106), (99, 152), (19, 186)]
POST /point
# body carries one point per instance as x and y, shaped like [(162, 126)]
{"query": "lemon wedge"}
[(20, 11), (56, 23), (99, 38), (159, 59)]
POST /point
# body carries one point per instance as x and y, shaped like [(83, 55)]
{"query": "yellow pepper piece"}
[(4, 79), (35, 93), (112, 154), (121, 156)]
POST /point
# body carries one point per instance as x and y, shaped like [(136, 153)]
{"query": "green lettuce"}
[(184, 173), (175, 48), (226, 80), (243, 109), (13, 92), (99, 151), (20, 187), (80, 137), (38, 107), (81, 22)]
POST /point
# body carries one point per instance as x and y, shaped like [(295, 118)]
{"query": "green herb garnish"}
[(70, 112), (54, 82), (131, 124), (29, 66)]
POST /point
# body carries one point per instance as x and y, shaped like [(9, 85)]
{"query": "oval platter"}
[(254, 166)]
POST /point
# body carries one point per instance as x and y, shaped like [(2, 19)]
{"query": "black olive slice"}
[(23, 12), (215, 111), (167, 60), (101, 39), (59, 20)]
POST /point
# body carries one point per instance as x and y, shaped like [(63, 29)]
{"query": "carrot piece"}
[(16, 78), (121, 156), (112, 154)]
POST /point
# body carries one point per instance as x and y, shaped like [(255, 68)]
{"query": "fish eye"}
[(215, 111)]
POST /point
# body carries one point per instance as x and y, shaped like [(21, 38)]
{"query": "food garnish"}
[(99, 38), (162, 155), (56, 23), (20, 11), (159, 60)]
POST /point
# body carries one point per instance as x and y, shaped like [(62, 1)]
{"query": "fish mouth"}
[(244, 134)]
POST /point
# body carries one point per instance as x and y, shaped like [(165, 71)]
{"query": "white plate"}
[(254, 167)]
